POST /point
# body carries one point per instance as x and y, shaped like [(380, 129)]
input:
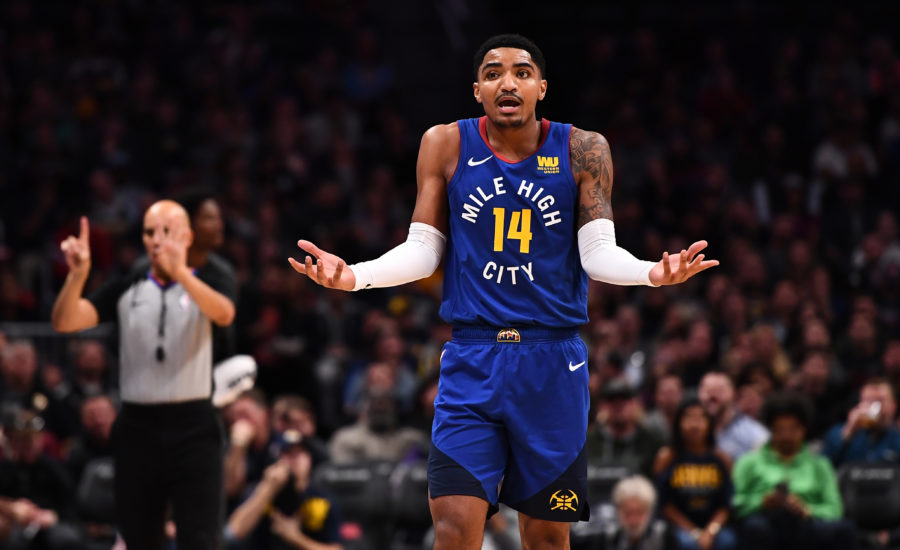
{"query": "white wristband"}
[(604, 261), (415, 258)]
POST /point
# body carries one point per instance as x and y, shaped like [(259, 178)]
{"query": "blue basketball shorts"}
[(511, 421)]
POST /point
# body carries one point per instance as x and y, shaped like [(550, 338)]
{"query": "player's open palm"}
[(77, 250), (327, 270), (677, 268)]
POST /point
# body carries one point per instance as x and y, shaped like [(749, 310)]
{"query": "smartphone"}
[(782, 488)]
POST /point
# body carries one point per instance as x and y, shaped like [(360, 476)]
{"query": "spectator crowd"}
[(755, 401)]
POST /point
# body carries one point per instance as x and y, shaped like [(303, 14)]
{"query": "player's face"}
[(509, 86)]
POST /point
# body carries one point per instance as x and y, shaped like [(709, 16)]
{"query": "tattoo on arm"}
[(592, 165)]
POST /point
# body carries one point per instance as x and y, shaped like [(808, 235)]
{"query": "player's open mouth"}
[(508, 105)]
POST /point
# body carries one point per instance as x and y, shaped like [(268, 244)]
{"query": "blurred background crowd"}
[(771, 130)]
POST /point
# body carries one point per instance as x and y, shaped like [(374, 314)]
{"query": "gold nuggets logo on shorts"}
[(548, 165), (564, 502), (508, 335)]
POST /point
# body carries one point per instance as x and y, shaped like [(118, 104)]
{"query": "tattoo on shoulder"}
[(592, 165)]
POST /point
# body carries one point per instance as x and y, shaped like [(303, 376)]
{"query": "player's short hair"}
[(511, 41), (634, 487)]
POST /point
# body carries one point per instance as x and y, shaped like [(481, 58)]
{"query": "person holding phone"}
[(786, 495)]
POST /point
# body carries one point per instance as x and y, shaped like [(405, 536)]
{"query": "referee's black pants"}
[(169, 454)]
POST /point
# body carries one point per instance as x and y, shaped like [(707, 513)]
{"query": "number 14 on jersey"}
[(519, 228)]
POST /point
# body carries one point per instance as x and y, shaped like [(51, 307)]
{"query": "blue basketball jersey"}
[(512, 254)]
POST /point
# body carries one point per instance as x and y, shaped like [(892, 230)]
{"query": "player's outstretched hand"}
[(328, 270), (674, 269), (77, 250)]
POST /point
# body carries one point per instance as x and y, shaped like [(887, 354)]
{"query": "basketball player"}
[(506, 193)]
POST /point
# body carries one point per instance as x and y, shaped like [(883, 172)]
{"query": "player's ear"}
[(477, 91), (189, 237), (543, 90)]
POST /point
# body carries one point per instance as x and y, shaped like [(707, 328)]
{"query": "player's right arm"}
[(71, 312), (438, 156), (420, 254)]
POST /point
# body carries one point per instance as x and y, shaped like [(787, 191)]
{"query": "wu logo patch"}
[(508, 335), (548, 165), (564, 502)]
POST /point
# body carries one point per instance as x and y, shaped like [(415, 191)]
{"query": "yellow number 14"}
[(519, 228)]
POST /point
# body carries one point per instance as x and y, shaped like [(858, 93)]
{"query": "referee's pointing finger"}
[(85, 234)]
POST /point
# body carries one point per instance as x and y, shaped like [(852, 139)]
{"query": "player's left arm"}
[(601, 258)]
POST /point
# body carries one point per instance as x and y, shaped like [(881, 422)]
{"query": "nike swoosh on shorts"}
[(574, 368)]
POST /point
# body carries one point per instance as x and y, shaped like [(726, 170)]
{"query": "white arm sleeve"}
[(604, 261), (415, 258)]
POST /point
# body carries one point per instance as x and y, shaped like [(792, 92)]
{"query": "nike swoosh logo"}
[(574, 368), (473, 162)]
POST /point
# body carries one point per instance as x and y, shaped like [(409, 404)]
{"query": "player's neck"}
[(515, 143)]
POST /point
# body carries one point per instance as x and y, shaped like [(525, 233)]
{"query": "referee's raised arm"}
[(71, 312)]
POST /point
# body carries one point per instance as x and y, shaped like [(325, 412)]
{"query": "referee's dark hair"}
[(787, 404)]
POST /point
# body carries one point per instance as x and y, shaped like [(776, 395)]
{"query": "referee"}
[(168, 439)]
